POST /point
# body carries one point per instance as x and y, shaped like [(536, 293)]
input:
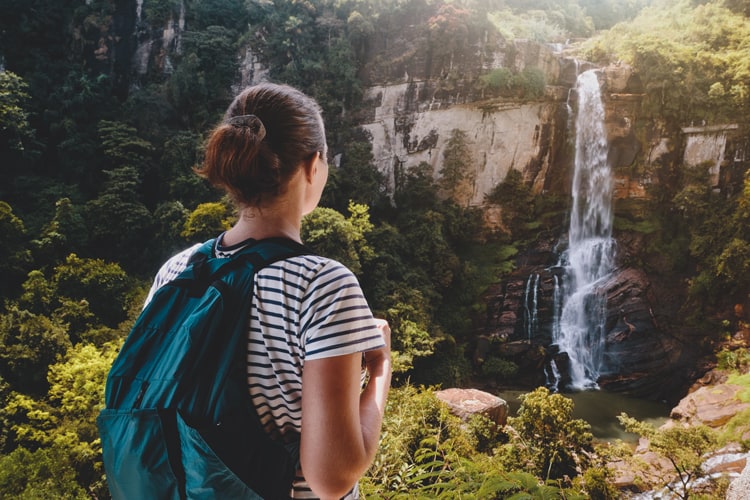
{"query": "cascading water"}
[(531, 316), (578, 327)]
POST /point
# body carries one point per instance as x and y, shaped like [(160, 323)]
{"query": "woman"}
[(310, 327)]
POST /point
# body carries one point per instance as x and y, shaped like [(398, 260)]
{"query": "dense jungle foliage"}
[(96, 190)]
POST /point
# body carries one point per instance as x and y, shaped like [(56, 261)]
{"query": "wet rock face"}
[(641, 357), (638, 358)]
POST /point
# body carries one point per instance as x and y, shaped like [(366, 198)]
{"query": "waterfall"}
[(589, 258), (531, 314), (557, 297)]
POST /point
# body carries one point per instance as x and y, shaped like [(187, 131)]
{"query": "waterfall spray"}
[(589, 258)]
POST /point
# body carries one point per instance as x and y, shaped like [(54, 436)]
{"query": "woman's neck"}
[(260, 224)]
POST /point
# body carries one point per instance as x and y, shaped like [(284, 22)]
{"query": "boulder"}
[(739, 488), (467, 402), (730, 460), (710, 405)]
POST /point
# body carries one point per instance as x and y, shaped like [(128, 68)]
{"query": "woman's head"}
[(268, 132)]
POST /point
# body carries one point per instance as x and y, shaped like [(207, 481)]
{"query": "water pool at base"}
[(601, 409)]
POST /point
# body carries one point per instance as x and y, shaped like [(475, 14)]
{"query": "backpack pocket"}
[(206, 475), (136, 455)]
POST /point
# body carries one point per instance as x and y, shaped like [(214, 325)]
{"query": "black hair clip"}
[(251, 122)]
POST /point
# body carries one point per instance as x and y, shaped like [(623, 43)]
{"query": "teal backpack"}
[(179, 422)]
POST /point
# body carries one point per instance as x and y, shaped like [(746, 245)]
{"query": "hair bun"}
[(251, 122)]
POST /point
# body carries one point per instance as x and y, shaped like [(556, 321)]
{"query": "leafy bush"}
[(426, 452), (549, 441), (54, 441), (500, 79), (43, 473), (737, 360), (499, 368), (529, 83)]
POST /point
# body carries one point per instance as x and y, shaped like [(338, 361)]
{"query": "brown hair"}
[(267, 132)]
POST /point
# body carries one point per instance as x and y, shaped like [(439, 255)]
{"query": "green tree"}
[(427, 452), (681, 50), (411, 337), (15, 130), (344, 239), (29, 344), (359, 29), (355, 180), (207, 221), (204, 72), (121, 144), (41, 296), (66, 233), (448, 34), (565, 14), (531, 82), (430, 254), (683, 447), (104, 286), (170, 218), (42, 473), (179, 156), (14, 254), (550, 440), (421, 445), (158, 12), (732, 258), (120, 225), (416, 188), (202, 14), (456, 179), (82, 100), (607, 13), (499, 79), (516, 200)]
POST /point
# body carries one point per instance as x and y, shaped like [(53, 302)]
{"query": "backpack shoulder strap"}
[(259, 254)]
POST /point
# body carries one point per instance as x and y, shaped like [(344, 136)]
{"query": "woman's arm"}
[(340, 423)]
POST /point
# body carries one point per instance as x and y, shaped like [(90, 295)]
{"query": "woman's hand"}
[(340, 422), (378, 360)]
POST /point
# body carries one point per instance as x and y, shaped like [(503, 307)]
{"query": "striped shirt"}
[(305, 307)]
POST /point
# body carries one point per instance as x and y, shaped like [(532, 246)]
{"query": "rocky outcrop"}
[(740, 487), (464, 403), (409, 127), (711, 405), (157, 42)]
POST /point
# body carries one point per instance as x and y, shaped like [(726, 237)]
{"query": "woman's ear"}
[(311, 166)]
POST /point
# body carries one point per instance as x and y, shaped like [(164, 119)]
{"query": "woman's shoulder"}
[(177, 263), (316, 267), (171, 269)]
